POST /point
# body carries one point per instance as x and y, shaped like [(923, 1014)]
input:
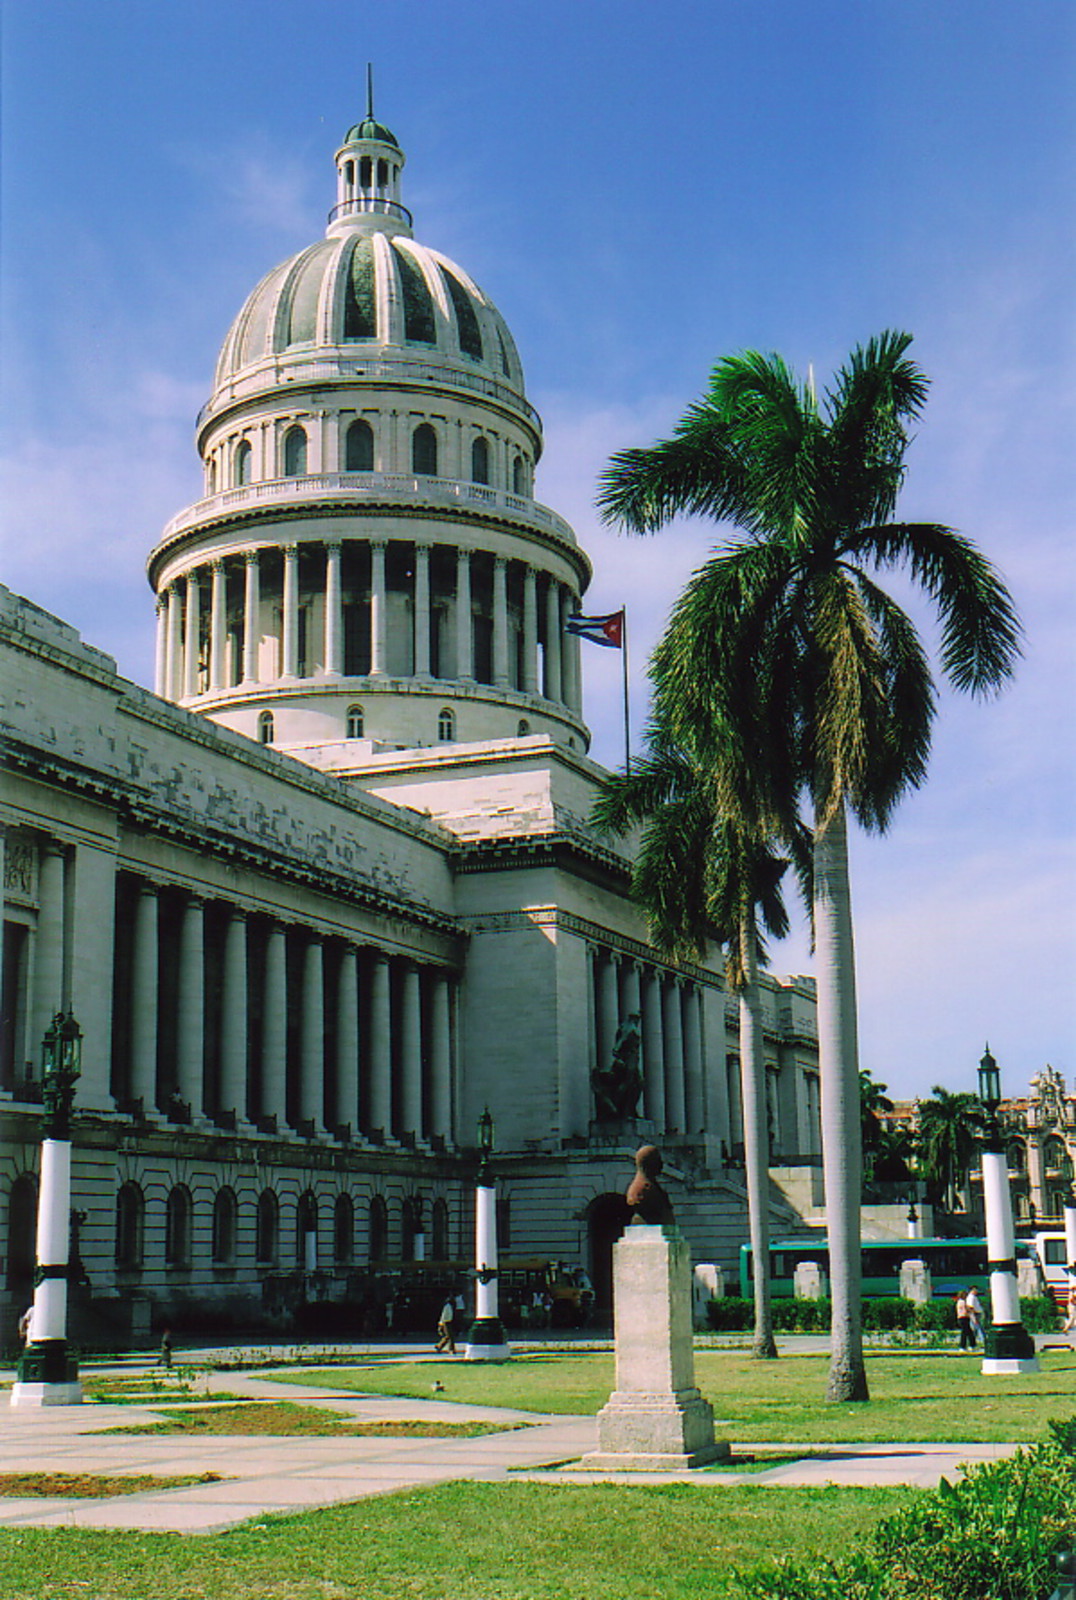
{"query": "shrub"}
[(994, 1533), (1039, 1314), (730, 1315)]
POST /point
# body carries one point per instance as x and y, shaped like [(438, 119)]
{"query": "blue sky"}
[(642, 188)]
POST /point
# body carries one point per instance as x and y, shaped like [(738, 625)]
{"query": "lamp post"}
[(47, 1372), (485, 1341), (1008, 1347)]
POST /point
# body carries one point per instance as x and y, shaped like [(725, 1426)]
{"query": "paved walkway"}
[(262, 1475)]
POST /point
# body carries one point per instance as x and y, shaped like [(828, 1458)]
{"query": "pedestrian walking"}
[(24, 1324), (963, 1322), (975, 1313), (165, 1357), (446, 1340)]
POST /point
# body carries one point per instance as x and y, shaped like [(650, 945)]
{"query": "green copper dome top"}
[(369, 129)]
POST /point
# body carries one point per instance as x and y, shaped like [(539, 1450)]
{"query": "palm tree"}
[(787, 636), (948, 1127), (700, 877)]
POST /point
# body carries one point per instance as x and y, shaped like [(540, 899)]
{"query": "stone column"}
[(173, 668), (552, 640), (674, 1057), (411, 1053), (380, 1045), (464, 622), (607, 1009), (334, 613), (218, 619), (378, 599), (190, 1006), (251, 616), (694, 1109), (500, 622), (289, 664), (160, 662), (348, 1108), (144, 971), (89, 945), (422, 611), (572, 646), (567, 656), (192, 636), (653, 1051), (233, 1018), (48, 984), (530, 631), (312, 1047), (274, 1095), (440, 1058)]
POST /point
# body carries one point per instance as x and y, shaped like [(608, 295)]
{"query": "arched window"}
[(177, 1228), (224, 1217), (446, 726), (410, 1224), (1014, 1156), (356, 722), (343, 1230), (480, 460), (439, 1230), (295, 453), (130, 1215), (524, 728), (22, 1232), (359, 447), (211, 475), (1055, 1154), (267, 1232), (518, 480), (378, 1247), (306, 1232), (242, 462), (424, 450), (265, 728)]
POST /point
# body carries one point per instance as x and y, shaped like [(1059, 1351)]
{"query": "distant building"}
[(331, 891)]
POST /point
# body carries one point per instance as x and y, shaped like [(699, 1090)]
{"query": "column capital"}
[(217, 564), (252, 557), (290, 551), (333, 546), (377, 544), (500, 561)]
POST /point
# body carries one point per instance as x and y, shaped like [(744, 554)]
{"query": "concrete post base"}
[(655, 1419), (46, 1394)]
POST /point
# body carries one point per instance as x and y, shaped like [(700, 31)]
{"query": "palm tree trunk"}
[(756, 1143), (838, 1058)]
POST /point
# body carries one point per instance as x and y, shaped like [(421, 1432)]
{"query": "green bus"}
[(953, 1263)]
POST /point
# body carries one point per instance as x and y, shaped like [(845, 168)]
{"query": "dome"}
[(369, 129), (362, 292)]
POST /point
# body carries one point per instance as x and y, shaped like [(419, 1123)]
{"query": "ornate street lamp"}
[(48, 1372), (1008, 1347), (486, 1341)]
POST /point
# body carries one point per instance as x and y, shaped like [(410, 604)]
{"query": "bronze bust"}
[(647, 1200)]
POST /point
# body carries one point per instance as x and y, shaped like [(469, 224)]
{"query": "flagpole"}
[(627, 710)]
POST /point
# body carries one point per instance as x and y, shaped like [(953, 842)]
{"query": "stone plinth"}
[(655, 1419)]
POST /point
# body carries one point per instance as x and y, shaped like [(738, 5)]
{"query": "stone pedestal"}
[(655, 1419)]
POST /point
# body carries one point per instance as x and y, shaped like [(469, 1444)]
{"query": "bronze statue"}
[(647, 1200), (617, 1086)]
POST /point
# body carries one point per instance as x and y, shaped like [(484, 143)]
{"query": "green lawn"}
[(460, 1541), (938, 1398)]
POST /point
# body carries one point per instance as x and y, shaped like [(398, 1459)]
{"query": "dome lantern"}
[(368, 167)]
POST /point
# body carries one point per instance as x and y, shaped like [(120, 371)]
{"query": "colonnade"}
[(321, 1034), (205, 608), (672, 1054)]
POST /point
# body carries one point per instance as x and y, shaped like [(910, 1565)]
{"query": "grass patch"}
[(139, 1392), (914, 1397), (473, 1541), (91, 1485), (283, 1419)]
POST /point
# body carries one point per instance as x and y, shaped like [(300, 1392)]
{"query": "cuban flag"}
[(608, 631)]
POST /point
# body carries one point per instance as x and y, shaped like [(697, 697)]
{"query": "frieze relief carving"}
[(20, 869)]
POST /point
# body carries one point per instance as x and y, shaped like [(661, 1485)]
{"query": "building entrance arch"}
[(607, 1217)]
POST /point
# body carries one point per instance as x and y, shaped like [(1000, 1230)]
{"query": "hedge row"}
[(881, 1315), (993, 1535)]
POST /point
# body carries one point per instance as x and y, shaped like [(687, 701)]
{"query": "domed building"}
[(330, 893)]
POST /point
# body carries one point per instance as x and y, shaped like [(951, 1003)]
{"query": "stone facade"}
[(332, 890)]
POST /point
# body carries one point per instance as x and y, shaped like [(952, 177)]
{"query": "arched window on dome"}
[(359, 447), (480, 460), (211, 475), (356, 722), (295, 453), (265, 728), (349, 174), (518, 476), (446, 726), (523, 729), (424, 451), (366, 168), (242, 462)]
